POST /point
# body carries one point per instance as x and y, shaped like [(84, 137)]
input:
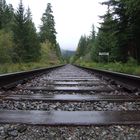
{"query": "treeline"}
[(119, 34), (67, 55), (19, 40)]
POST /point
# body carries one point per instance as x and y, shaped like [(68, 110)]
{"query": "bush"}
[(130, 67), (6, 47), (131, 61)]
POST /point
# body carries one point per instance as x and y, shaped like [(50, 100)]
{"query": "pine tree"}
[(58, 51), (32, 44), (133, 29), (82, 48), (93, 33), (27, 45), (19, 34), (47, 29), (127, 28), (119, 32), (48, 32), (6, 15), (2, 9), (105, 41)]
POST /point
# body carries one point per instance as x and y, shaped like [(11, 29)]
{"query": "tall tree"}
[(105, 41), (19, 34), (47, 29), (126, 13), (25, 37), (6, 47), (133, 14), (93, 33), (82, 48), (2, 9), (119, 32), (6, 15), (32, 44)]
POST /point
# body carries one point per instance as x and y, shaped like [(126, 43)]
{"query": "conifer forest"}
[(20, 43), (118, 37)]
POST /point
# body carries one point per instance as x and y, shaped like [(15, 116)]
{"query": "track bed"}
[(70, 103)]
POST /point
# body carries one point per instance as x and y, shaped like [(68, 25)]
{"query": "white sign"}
[(104, 53)]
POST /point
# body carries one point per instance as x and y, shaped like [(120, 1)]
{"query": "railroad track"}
[(75, 99)]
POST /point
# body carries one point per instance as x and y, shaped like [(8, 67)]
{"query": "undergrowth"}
[(8, 68), (129, 68)]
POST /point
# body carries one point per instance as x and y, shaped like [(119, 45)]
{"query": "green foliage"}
[(118, 34), (20, 48), (32, 44), (106, 40), (131, 62), (6, 15), (15, 67), (81, 49), (48, 32), (47, 29), (27, 46), (127, 27), (84, 48), (48, 55), (92, 36), (58, 52), (6, 47), (67, 55), (117, 67)]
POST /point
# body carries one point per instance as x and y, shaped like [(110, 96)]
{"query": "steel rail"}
[(10, 80), (128, 80), (72, 98)]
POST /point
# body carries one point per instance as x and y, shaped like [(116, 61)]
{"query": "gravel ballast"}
[(24, 132), (71, 106), (30, 132)]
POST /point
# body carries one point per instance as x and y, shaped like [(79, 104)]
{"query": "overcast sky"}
[(73, 18)]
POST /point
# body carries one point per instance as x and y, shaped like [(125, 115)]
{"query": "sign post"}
[(104, 54)]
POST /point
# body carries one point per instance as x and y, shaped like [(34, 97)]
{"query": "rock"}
[(13, 133), (1, 128), (132, 129), (21, 128), (104, 133)]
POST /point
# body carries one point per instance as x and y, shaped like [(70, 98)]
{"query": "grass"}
[(8, 68), (129, 68)]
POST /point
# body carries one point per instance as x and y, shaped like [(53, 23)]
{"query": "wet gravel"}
[(70, 106), (24, 132), (28, 132), (66, 73)]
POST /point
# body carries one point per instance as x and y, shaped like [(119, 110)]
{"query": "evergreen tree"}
[(19, 33), (93, 34), (127, 29), (47, 29), (105, 41), (133, 29), (58, 51), (2, 9), (91, 41), (32, 44), (27, 45), (121, 29), (6, 47), (119, 32), (6, 15), (82, 48)]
